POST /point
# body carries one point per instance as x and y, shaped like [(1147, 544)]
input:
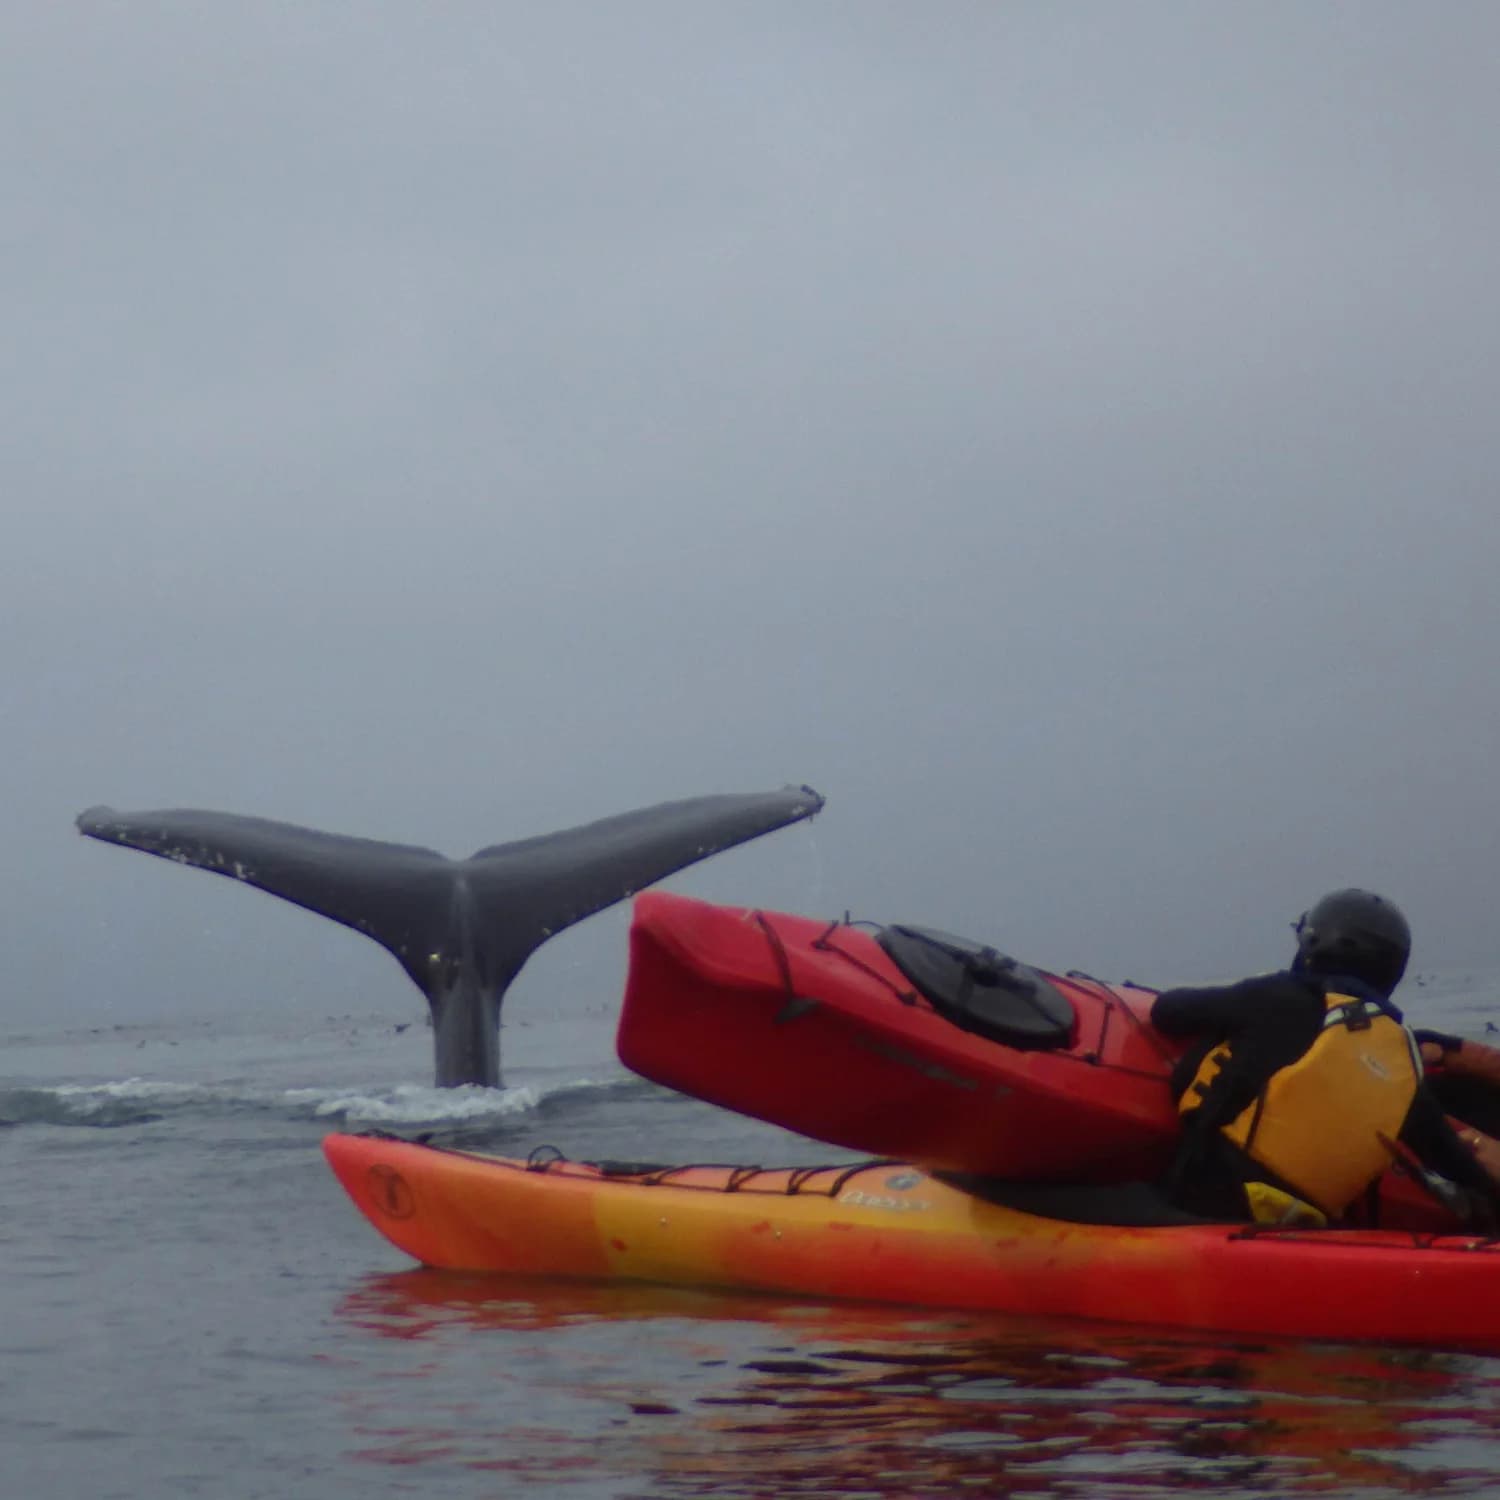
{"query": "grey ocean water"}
[(190, 1307)]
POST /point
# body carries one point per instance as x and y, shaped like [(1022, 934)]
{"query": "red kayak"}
[(900, 1041)]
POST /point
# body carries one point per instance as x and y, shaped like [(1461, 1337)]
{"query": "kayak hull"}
[(891, 1233), (811, 1026)]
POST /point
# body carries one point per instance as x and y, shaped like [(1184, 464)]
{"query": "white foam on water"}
[(136, 1100), (413, 1104)]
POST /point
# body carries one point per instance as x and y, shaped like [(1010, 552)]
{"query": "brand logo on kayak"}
[(391, 1194), (858, 1198), (903, 1181)]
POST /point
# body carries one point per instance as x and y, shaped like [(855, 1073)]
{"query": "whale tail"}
[(462, 929)]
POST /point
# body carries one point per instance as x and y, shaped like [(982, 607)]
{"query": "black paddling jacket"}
[(1262, 1027)]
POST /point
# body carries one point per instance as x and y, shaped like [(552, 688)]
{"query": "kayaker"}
[(1307, 1082)]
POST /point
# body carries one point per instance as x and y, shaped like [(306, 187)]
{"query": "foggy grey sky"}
[(1063, 435)]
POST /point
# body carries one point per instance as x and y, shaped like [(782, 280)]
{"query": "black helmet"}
[(1356, 933)]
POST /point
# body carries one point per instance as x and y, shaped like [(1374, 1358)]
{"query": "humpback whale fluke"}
[(461, 929)]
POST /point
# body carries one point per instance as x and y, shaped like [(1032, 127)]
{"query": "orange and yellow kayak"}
[(891, 1233)]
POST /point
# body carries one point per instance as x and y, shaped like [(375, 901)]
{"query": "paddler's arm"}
[(1286, 1008), (1219, 1010)]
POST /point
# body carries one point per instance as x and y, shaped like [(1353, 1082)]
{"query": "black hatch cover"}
[(979, 989)]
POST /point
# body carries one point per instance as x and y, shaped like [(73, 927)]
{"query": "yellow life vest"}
[(1317, 1123)]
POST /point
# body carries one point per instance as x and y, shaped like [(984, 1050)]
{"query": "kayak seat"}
[(979, 989)]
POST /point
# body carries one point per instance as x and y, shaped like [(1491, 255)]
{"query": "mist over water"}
[(1065, 440)]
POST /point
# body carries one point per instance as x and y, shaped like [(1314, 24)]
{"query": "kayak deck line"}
[(1111, 1003), (742, 1176)]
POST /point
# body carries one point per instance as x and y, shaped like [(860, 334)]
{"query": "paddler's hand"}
[(1463, 1057), (1486, 1151), (1436, 1045)]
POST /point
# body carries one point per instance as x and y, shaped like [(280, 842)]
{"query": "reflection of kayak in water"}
[(757, 1395), (889, 1233)]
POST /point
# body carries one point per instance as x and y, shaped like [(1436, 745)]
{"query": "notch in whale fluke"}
[(461, 929)]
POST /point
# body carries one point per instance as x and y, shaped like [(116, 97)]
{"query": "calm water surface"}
[(190, 1307)]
